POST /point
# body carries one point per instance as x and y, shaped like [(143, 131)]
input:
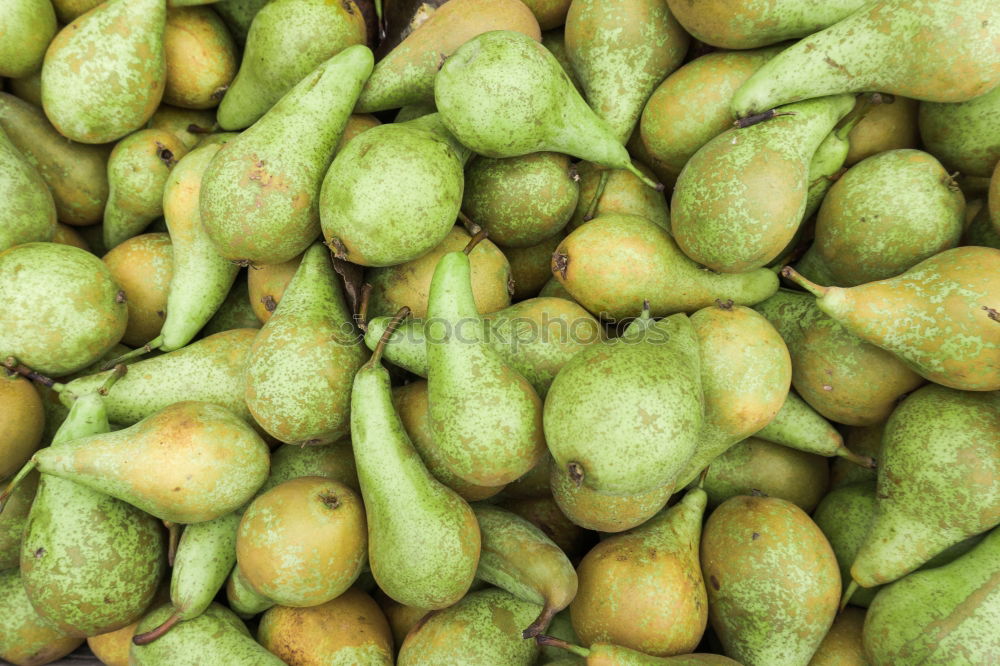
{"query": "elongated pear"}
[(799, 426), (25, 636), (259, 202), (885, 46), (301, 365), (623, 418), (720, 215), (402, 501), (936, 481), (484, 415), (121, 42), (644, 590), (958, 290), (30, 213)]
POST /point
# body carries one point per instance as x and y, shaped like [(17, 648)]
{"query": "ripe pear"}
[(623, 192), (799, 426), (243, 599), (842, 644), (201, 58), (599, 654), (12, 520), (21, 424), (644, 590), (62, 309), (891, 125), (605, 513), (885, 46), (238, 15), (126, 68), (28, 27), (30, 213), (143, 267), (26, 638), (356, 124), (112, 648), (267, 284), (334, 461), (191, 126), (772, 577), (260, 192), (529, 266), (964, 136)]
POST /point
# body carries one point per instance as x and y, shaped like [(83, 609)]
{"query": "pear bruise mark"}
[(120, 297), (560, 263), (337, 247), (268, 302), (38, 554), (755, 536), (575, 471), (715, 582), (992, 313)]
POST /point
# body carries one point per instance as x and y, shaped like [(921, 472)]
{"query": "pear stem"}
[(469, 225), (856, 115), (702, 476), (799, 279), (757, 118), (476, 239), (858, 459), (116, 374), (16, 481), (596, 199), (151, 635), (659, 187), (376, 358), (848, 593), (366, 294), (17, 368), (552, 641), (541, 623), (155, 343)]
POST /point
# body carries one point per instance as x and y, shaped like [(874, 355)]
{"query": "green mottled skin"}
[(67, 10), (180, 122), (208, 462), (287, 40), (243, 599), (772, 581), (886, 214), (799, 426), (217, 636), (521, 201), (544, 513), (519, 558), (300, 367), (206, 554), (25, 636), (605, 513), (936, 50), (28, 27), (616, 261), (239, 15), (603, 654), (745, 375), (484, 628), (740, 199), (623, 193), (774, 470), (935, 317), (621, 51), (335, 461), (12, 520), (994, 200), (393, 193), (484, 415), (628, 413), (137, 173), (529, 266), (210, 370), (555, 42), (235, 311), (76, 173), (201, 276), (503, 94), (826, 162), (980, 231), (260, 193), (29, 213), (945, 616), (60, 312), (423, 539), (964, 136), (644, 590), (104, 73), (864, 381), (937, 481)]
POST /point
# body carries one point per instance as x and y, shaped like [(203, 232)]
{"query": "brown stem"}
[(17, 368), (750, 121), (799, 279), (362, 318), (376, 358), (150, 636), (116, 374), (552, 641), (476, 239), (135, 353), (861, 460), (541, 623), (469, 225), (575, 471), (16, 481)]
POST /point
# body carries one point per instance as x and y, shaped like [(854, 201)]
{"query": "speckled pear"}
[(25, 636), (623, 193), (28, 27), (605, 513), (608, 654), (964, 136), (334, 461), (29, 213), (12, 520), (799, 426), (243, 599)]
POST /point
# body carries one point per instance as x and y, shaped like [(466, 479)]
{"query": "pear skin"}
[(191, 126), (623, 192), (201, 58), (544, 513), (245, 601), (268, 284), (30, 213), (862, 440), (26, 638), (964, 135), (333, 461), (235, 312), (12, 520), (529, 266), (22, 423), (799, 426), (605, 513), (842, 645), (29, 26), (887, 126), (143, 267)]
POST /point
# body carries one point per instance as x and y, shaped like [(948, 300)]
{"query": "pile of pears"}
[(500, 332)]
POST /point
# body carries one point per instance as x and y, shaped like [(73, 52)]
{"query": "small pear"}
[(26, 638), (201, 58), (22, 422), (544, 513), (28, 27), (891, 125), (267, 284), (529, 266), (842, 644), (192, 126), (30, 213), (243, 599), (964, 136), (143, 267), (623, 192)]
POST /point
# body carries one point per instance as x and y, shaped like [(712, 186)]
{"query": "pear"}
[(946, 615), (217, 636), (605, 513), (773, 583), (718, 193), (485, 417), (30, 213), (201, 58), (935, 481), (994, 199), (544, 513), (66, 235), (357, 123), (402, 498), (235, 312), (550, 13), (615, 262), (606, 653), (475, 89), (554, 289), (192, 126), (112, 648), (143, 267), (26, 638), (644, 589), (123, 83), (238, 15), (864, 440), (745, 375), (958, 290), (799, 426), (300, 367), (22, 423), (886, 46), (980, 230), (842, 644), (561, 628), (483, 628), (12, 520), (401, 618), (623, 192), (367, 224), (287, 40), (621, 51), (259, 202), (361, 633), (529, 266), (519, 558), (891, 125), (29, 26), (62, 309), (555, 42), (407, 73), (334, 461), (623, 418), (267, 285), (243, 599), (964, 135)]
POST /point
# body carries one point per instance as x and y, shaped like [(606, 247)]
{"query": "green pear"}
[(239, 15), (980, 231), (615, 262), (242, 598), (217, 636), (28, 27), (623, 418), (957, 290), (260, 192), (605, 513), (924, 49), (529, 266), (799, 426), (62, 309), (606, 653), (772, 577), (121, 43), (964, 136), (719, 216), (519, 558), (368, 224), (402, 500), (287, 40), (483, 628), (27, 638), (644, 589), (555, 42), (622, 192), (235, 312), (12, 520), (334, 461), (842, 644), (544, 513), (862, 440), (29, 213), (935, 481), (994, 199), (192, 126), (621, 51), (944, 616), (503, 94), (300, 367)]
